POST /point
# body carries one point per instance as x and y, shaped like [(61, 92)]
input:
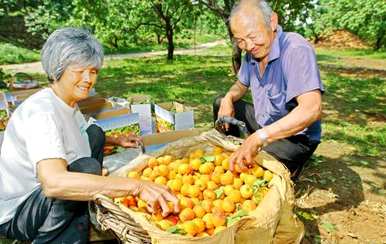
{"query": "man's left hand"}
[(243, 157)]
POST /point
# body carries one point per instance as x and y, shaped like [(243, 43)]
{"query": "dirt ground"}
[(338, 199)]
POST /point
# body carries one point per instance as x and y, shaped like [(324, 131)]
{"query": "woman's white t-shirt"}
[(42, 127)]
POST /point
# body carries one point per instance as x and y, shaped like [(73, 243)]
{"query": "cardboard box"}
[(173, 116)]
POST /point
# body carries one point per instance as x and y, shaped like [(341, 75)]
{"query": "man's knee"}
[(217, 102), (86, 165)]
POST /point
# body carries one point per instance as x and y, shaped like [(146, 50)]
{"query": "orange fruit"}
[(190, 228), (216, 178), (258, 171), (268, 175), (217, 203), (218, 158), (187, 179), (175, 185), (225, 163), (164, 224), (160, 180), (152, 162), (237, 182), (194, 191), (249, 179), (167, 159), (219, 170), (218, 219), (228, 189), (163, 170), (227, 178), (212, 185), (186, 214), (195, 163), (199, 153), (217, 150), (209, 194), (200, 225), (147, 172), (172, 174), (246, 191), (235, 196), (228, 206), (201, 184), (133, 174), (208, 220), (184, 169), (199, 211), (207, 205), (249, 205), (185, 189), (206, 168), (186, 202)]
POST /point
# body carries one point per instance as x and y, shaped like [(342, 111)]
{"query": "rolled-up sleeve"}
[(44, 139), (244, 75), (301, 72)]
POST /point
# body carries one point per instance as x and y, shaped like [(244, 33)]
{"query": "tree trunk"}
[(169, 36), (379, 41), (236, 52), (159, 38)]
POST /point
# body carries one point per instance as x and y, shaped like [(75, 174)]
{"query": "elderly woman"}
[(51, 160)]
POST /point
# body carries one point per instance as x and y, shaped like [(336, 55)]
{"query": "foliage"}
[(10, 54), (365, 18)]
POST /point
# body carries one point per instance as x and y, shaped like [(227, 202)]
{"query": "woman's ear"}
[(274, 21)]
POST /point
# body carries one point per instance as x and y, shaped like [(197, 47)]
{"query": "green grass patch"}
[(10, 54), (358, 53)]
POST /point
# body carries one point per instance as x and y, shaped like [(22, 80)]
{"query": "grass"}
[(10, 54), (355, 106), (358, 53)]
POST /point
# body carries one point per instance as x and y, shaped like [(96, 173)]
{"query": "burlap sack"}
[(273, 221)]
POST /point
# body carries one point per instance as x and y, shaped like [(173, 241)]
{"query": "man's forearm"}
[(236, 92), (297, 120)]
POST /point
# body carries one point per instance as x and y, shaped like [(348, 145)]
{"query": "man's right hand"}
[(226, 109)]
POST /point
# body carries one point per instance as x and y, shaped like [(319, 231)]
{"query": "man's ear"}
[(274, 21)]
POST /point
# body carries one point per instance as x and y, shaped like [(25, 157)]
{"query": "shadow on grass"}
[(345, 191)]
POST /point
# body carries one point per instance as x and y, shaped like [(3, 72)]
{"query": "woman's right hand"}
[(156, 195)]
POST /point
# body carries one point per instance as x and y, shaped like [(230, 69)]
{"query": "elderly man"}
[(280, 69)]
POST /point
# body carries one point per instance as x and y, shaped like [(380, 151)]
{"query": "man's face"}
[(252, 35)]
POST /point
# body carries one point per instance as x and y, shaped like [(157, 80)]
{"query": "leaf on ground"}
[(328, 226)]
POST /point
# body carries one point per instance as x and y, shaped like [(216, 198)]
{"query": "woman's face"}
[(76, 82)]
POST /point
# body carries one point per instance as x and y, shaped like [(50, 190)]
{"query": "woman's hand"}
[(156, 196), (130, 140)]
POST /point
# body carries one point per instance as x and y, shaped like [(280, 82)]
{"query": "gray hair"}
[(261, 5), (70, 46)]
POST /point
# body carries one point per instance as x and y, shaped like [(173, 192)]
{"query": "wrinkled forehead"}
[(247, 21)]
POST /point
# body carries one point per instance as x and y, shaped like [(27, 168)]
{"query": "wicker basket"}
[(111, 217)]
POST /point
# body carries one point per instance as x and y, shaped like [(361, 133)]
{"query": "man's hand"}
[(156, 196), (243, 157), (226, 109)]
